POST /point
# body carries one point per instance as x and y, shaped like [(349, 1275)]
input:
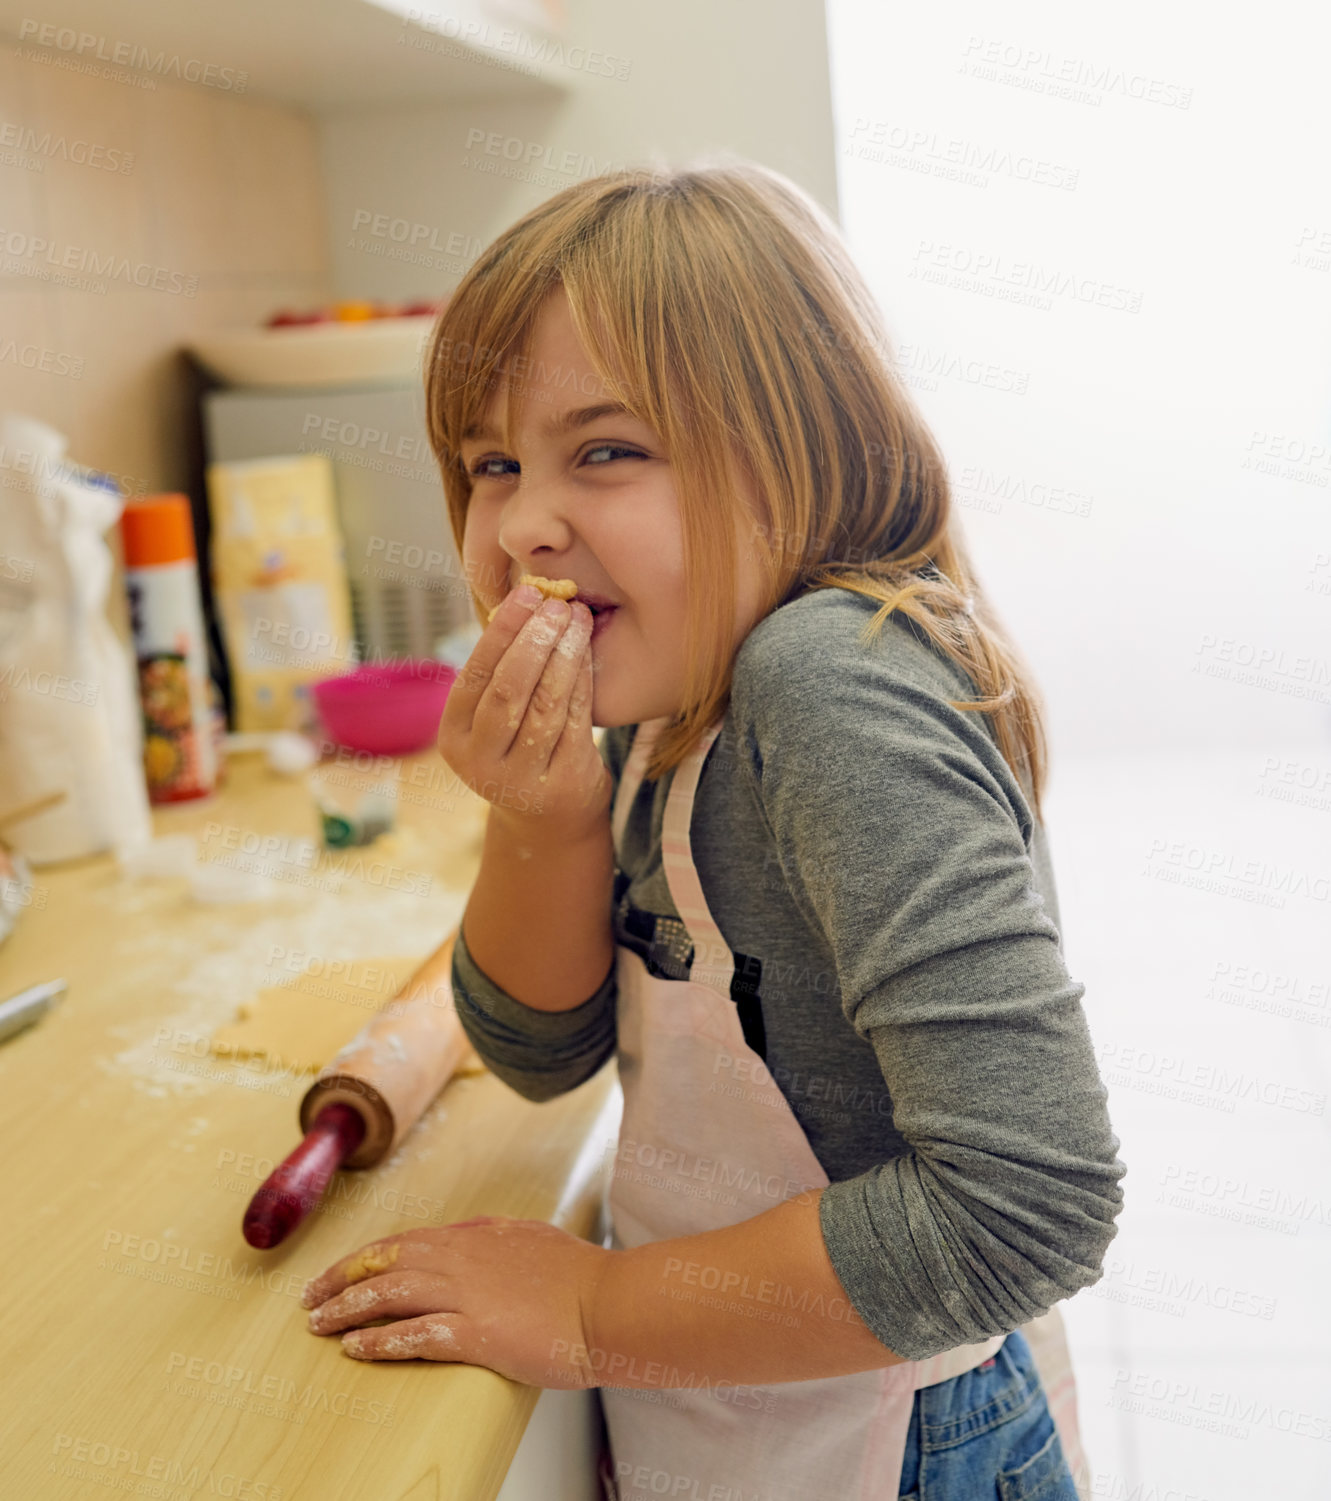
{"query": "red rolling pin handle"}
[(385, 1077), (297, 1184)]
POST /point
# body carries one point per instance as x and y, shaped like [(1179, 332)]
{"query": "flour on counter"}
[(169, 1055)]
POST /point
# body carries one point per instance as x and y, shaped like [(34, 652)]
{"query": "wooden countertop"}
[(149, 1349)]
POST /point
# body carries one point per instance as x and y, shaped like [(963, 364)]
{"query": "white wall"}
[(748, 77), (104, 275), (1218, 216)]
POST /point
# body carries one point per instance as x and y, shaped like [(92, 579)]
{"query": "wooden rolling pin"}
[(366, 1099)]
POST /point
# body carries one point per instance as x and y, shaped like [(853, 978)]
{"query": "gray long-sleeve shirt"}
[(875, 867)]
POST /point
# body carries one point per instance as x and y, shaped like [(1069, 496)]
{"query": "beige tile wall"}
[(221, 207)]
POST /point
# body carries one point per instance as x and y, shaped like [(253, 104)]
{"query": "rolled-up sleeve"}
[(904, 836), (541, 1054)]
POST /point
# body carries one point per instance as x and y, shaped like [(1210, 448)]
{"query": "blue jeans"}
[(986, 1435)]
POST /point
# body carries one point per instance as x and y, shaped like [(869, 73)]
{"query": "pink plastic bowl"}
[(386, 708)]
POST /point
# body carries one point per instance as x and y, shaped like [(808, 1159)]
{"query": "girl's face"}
[(588, 493)]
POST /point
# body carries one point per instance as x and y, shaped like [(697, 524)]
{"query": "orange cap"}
[(157, 529)]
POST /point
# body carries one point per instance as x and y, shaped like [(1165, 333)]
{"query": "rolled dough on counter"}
[(301, 1025)]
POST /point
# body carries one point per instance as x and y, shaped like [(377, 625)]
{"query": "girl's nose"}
[(533, 520)]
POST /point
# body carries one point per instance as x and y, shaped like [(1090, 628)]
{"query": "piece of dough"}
[(551, 588), (300, 1026), (370, 1262)]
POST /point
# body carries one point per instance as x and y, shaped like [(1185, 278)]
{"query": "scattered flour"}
[(204, 962)]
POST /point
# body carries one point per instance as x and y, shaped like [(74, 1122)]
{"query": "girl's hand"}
[(517, 724), (503, 1293)]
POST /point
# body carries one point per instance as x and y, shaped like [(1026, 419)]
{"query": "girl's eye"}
[(480, 469), (612, 448)]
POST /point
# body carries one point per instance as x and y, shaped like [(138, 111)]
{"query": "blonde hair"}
[(719, 304)]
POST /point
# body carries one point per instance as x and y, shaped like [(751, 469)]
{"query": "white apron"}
[(739, 1150)]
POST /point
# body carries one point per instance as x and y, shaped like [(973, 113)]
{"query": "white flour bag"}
[(69, 707)]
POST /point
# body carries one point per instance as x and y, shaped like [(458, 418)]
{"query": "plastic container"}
[(161, 576), (355, 805), (385, 708)]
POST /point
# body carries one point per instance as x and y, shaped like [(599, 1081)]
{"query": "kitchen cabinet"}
[(312, 53)]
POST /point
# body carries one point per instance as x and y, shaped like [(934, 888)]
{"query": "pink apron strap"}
[(1047, 1337), (713, 963), (630, 777)]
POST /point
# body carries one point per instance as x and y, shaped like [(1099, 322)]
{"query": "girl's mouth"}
[(601, 618), (602, 609)]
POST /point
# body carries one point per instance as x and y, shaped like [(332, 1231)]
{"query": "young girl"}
[(801, 891)]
